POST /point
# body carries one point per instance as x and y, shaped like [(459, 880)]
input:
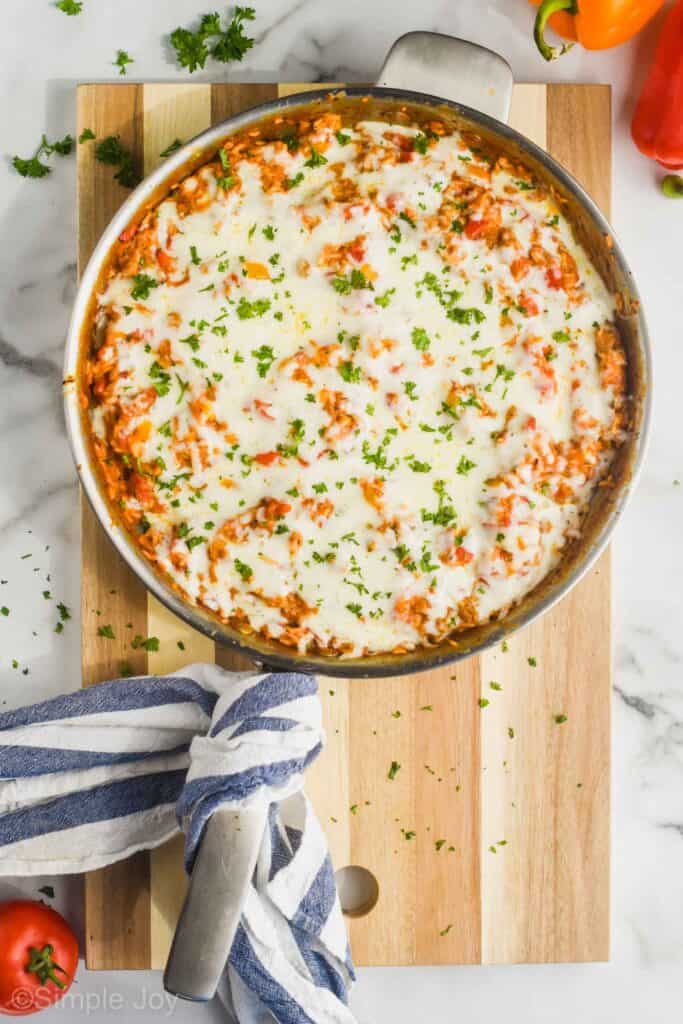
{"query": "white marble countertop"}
[(43, 54)]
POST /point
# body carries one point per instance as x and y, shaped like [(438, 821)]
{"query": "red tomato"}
[(475, 228), (264, 408), (38, 957), (266, 458), (528, 304), (553, 276)]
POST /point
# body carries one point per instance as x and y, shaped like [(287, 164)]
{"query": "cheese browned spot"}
[(354, 395)]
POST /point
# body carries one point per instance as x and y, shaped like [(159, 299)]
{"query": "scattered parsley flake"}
[(172, 147), (122, 61), (142, 286), (532, 662), (394, 769), (150, 643), (245, 571), (560, 719), (86, 135), (106, 631), (70, 7)]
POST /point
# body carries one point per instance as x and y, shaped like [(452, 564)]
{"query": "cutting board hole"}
[(358, 890)]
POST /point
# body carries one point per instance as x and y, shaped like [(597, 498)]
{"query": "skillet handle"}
[(218, 889), (456, 69)]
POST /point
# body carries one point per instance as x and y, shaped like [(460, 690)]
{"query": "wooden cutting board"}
[(521, 801)]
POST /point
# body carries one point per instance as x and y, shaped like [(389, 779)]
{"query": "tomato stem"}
[(44, 967), (672, 186), (546, 9)]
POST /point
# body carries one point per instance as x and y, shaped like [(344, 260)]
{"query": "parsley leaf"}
[(231, 44), (86, 135), (142, 286), (33, 166), (316, 159), (176, 144), (245, 571), (70, 7), (122, 60), (421, 339), (112, 152)]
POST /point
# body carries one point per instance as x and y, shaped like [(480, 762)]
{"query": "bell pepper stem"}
[(545, 11), (672, 186)]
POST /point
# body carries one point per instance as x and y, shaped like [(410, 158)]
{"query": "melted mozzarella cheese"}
[(357, 412)]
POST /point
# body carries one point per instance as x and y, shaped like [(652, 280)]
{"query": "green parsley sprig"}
[(210, 39), (33, 167), (111, 151)]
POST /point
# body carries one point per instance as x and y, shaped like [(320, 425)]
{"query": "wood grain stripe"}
[(117, 927)]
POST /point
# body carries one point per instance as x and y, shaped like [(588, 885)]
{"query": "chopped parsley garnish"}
[(231, 44), (394, 769), (384, 300), (342, 138), (86, 135), (161, 382), (421, 142), (403, 553), (409, 220), (265, 358), (350, 373), (445, 513), (532, 662), (107, 632), (417, 466), (150, 643), (421, 339), (111, 151), (561, 337), (248, 310), (465, 316), (316, 159), (142, 286), (246, 571), (409, 388), (33, 167), (4, 610), (269, 232), (465, 465), (355, 280), (291, 183), (70, 7), (122, 61), (172, 147), (560, 719), (355, 609)]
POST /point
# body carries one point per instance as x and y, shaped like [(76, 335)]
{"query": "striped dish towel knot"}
[(94, 776)]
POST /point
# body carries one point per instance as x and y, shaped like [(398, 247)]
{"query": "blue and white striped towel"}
[(90, 778)]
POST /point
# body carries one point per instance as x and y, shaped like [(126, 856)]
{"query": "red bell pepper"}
[(657, 126)]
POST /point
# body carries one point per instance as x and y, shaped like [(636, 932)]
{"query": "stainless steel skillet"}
[(427, 73), (437, 75)]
